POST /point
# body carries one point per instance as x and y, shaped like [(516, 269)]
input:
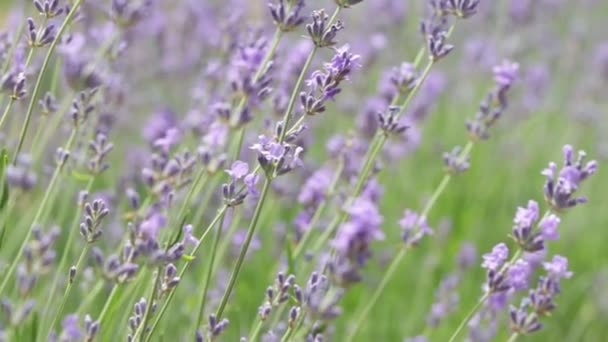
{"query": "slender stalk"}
[(64, 256), (256, 331), (106, 306), (196, 187), (504, 268), (149, 304), (210, 266), (379, 290), (398, 258), (244, 248), (43, 68), (68, 289), (513, 337), (165, 305), (47, 194), (90, 297), (288, 333), (468, 317)]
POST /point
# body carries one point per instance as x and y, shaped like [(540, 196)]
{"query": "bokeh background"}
[(562, 49)]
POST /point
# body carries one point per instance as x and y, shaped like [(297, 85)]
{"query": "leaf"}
[(4, 184), (81, 175), (290, 260), (35, 326), (2, 232)]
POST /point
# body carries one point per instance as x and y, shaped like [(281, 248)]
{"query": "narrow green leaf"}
[(290, 260), (3, 184)]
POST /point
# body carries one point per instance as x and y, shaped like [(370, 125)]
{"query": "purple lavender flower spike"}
[(548, 227), (561, 186), (557, 268), (238, 170), (287, 17), (494, 260), (518, 275), (71, 329), (318, 31), (353, 239), (495, 103), (414, 228), (506, 73)]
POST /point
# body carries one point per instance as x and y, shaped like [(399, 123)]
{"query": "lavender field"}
[(303, 170)]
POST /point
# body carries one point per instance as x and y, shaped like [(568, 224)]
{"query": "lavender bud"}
[(72, 274)]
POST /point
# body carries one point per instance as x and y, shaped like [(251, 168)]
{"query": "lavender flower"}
[(94, 214), (318, 31), (325, 84), (561, 187), (48, 8), (414, 228), (495, 103), (287, 18)]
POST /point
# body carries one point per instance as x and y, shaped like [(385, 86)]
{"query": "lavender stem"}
[(64, 256), (244, 248), (210, 266), (181, 274), (47, 194), (468, 317), (38, 85), (68, 289)]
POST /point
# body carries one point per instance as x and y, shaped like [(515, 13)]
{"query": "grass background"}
[(479, 206)]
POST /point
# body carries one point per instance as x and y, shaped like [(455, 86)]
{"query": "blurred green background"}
[(478, 205)]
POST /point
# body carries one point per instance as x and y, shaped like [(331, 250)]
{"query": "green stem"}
[(43, 68), (47, 194), (296, 89), (89, 298), (288, 333), (107, 304), (149, 305), (163, 309), (513, 337), (468, 317), (256, 331), (397, 260), (64, 256), (357, 322), (244, 248), (210, 266), (318, 212), (70, 285)]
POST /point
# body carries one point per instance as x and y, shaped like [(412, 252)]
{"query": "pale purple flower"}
[(150, 227), (238, 170), (495, 259), (561, 186), (314, 189), (557, 268), (506, 73), (250, 181), (525, 217), (518, 275), (548, 227), (189, 237), (71, 330), (414, 227)]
